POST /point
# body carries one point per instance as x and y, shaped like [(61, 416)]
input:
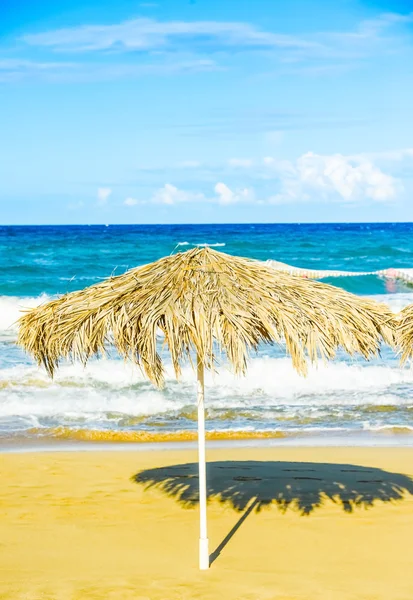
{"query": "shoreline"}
[(382, 439)]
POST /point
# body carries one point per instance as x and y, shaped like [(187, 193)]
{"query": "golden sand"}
[(78, 526)]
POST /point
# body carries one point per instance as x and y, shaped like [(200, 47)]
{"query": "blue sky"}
[(204, 111)]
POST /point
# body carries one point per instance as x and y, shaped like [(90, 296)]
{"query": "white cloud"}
[(131, 202), (228, 196), (188, 46), (13, 70), (336, 178), (144, 34), (225, 194), (147, 34), (337, 52), (169, 194), (16, 69), (103, 196), (371, 29), (240, 162), (312, 178)]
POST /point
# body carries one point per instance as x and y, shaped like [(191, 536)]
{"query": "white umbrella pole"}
[(203, 535)]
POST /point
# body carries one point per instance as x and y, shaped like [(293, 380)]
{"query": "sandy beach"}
[(284, 523)]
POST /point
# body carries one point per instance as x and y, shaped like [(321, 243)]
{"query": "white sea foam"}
[(269, 376), (13, 307), (217, 245), (395, 301), (113, 386)]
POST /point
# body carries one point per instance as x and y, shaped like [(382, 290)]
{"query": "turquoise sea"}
[(111, 400)]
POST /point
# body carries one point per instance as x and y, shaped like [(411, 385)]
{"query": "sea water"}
[(111, 400)]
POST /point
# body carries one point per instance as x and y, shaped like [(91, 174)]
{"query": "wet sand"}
[(284, 523)]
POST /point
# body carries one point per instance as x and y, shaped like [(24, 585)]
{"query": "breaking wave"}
[(109, 395), (13, 307)]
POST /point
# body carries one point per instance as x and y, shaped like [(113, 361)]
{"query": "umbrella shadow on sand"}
[(249, 486)]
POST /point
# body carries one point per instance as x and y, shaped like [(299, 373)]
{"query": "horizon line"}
[(206, 224)]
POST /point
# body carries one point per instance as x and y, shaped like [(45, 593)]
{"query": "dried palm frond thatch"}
[(404, 333), (204, 301)]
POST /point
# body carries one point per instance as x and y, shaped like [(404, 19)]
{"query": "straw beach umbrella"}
[(205, 303), (404, 333)]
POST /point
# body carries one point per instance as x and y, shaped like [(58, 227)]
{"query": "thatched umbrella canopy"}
[(404, 333), (196, 298), (204, 302)]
